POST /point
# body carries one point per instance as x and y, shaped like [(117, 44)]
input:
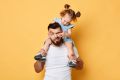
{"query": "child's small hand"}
[(61, 34)]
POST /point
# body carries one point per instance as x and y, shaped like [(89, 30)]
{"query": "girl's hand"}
[(61, 34)]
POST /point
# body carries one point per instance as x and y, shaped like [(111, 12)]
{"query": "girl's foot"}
[(40, 57), (72, 61)]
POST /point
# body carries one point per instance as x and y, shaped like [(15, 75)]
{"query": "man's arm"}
[(38, 66), (79, 64)]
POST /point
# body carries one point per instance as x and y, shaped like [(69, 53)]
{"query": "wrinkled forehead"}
[(55, 31)]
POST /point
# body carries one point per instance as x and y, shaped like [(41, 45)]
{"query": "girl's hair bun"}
[(78, 14), (66, 6)]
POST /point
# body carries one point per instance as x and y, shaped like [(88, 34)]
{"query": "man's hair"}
[(54, 25)]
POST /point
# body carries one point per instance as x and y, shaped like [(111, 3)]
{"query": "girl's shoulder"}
[(70, 26)]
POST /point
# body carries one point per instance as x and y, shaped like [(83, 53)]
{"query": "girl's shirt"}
[(65, 29)]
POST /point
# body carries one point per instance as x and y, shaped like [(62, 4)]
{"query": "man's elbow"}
[(37, 70), (38, 67)]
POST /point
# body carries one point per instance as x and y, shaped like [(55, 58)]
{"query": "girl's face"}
[(66, 19)]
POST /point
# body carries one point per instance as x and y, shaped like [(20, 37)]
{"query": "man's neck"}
[(56, 45)]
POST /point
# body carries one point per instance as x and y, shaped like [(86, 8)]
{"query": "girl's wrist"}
[(66, 34)]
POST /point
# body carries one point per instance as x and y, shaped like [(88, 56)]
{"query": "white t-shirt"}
[(56, 65)]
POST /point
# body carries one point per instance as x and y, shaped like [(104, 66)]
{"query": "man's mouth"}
[(57, 40)]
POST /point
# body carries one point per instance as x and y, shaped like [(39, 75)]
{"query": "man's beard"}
[(58, 43)]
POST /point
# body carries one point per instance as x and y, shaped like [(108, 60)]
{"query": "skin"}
[(66, 20), (39, 66), (54, 35)]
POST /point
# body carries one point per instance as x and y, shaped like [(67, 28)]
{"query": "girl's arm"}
[(67, 34)]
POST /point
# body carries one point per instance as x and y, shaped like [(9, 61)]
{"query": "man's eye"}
[(57, 33), (51, 33)]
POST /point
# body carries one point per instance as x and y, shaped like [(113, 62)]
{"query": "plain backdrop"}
[(23, 29)]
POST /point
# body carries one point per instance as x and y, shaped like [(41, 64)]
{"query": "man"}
[(56, 64)]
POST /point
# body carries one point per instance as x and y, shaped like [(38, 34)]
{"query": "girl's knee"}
[(68, 44)]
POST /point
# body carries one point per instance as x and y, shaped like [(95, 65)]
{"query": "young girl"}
[(67, 16)]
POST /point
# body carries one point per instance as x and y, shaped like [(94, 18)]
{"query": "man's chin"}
[(57, 43)]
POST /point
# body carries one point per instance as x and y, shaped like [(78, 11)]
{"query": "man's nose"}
[(55, 35)]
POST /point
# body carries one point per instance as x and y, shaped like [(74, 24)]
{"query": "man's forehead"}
[(57, 30)]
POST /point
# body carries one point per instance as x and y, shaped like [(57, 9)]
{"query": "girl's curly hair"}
[(71, 12)]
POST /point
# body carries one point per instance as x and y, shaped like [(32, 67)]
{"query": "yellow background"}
[(23, 29)]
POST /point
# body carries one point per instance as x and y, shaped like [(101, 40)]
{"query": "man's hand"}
[(79, 64), (38, 66)]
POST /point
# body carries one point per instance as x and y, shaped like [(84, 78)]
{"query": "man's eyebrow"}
[(58, 32), (50, 31)]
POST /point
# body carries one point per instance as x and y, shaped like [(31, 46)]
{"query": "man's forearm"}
[(38, 66)]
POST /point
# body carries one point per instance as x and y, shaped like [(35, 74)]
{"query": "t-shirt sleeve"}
[(56, 19), (71, 26)]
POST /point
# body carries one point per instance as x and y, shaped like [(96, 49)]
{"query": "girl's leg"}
[(43, 52), (45, 47), (71, 54)]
